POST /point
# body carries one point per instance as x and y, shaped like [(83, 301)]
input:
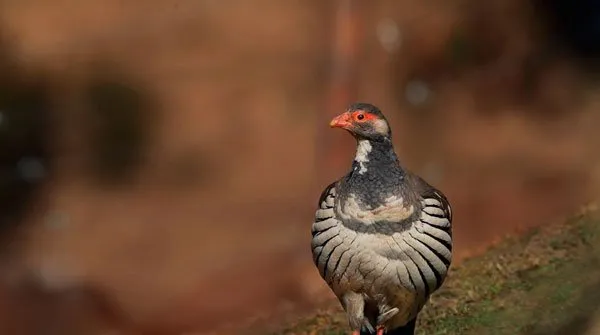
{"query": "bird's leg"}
[(380, 330), (354, 304)]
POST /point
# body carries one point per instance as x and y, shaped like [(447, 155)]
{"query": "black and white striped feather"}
[(391, 268)]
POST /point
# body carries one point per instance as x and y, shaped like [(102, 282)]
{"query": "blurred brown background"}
[(161, 160)]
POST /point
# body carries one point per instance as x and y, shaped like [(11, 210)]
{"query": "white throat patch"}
[(362, 155)]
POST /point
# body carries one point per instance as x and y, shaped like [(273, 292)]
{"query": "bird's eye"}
[(360, 116)]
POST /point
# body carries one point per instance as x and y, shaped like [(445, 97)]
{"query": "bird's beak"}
[(341, 121)]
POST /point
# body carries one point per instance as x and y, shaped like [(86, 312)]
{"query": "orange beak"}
[(343, 120)]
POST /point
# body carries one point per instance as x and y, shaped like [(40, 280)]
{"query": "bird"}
[(382, 236)]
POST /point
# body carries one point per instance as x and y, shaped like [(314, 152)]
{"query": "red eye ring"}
[(360, 116)]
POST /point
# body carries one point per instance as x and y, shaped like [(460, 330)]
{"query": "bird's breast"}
[(392, 209), (352, 260)]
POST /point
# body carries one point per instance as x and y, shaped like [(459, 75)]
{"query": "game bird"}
[(382, 236)]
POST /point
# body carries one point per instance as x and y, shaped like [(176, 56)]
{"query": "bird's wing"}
[(428, 193), (327, 196), (325, 205), (325, 230), (433, 230)]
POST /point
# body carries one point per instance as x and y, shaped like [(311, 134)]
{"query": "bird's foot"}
[(380, 330), (367, 327)]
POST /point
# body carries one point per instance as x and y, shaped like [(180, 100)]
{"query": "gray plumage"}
[(382, 237)]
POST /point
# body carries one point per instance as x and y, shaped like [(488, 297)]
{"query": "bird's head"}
[(363, 121)]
